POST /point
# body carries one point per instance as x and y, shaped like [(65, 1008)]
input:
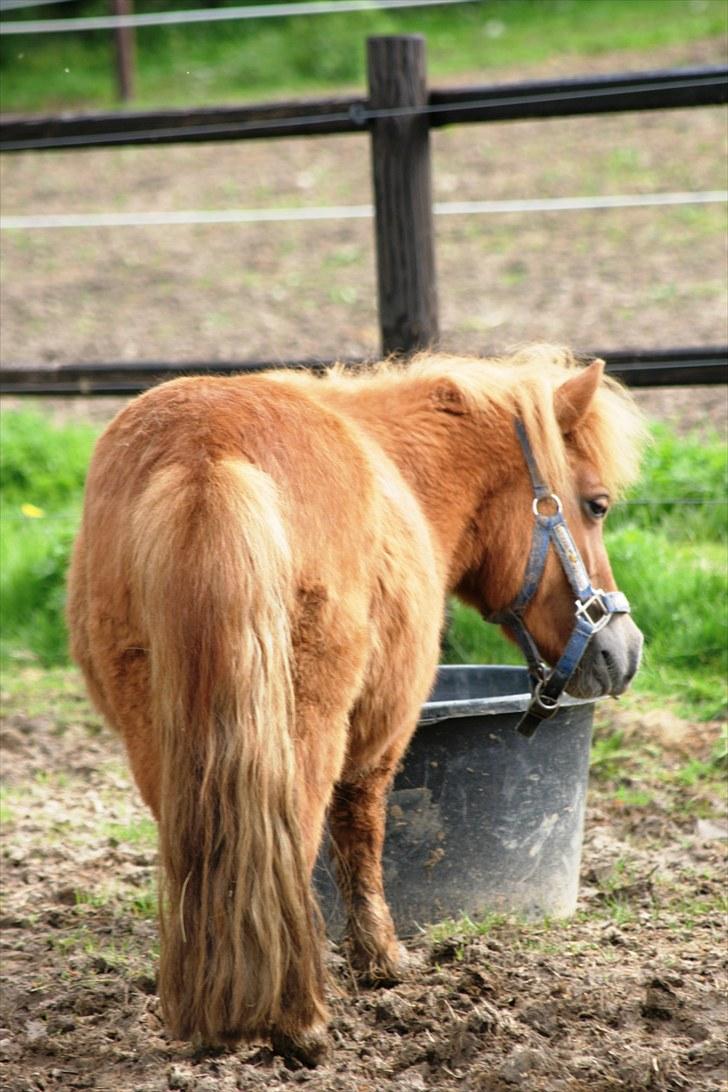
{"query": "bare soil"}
[(631, 994)]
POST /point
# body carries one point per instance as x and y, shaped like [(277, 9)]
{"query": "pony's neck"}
[(451, 457)]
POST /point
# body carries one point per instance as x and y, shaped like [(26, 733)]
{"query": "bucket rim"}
[(457, 708)]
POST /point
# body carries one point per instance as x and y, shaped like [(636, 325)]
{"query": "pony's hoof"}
[(385, 970), (310, 1047)]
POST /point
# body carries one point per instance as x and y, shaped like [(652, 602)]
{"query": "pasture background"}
[(630, 994), (209, 62)]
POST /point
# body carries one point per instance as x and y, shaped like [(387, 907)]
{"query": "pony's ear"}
[(447, 397), (573, 398)]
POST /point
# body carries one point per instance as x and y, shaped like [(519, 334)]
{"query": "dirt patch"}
[(629, 995)]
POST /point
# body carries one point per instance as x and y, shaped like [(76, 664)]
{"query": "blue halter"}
[(594, 607)]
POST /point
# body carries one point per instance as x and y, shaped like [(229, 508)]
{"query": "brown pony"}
[(256, 600)]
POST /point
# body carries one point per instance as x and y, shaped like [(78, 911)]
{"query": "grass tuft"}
[(42, 471)]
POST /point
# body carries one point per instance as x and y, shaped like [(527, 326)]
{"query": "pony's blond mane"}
[(611, 436)]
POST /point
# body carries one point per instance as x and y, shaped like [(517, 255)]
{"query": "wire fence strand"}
[(52, 221), (216, 15), (16, 5)]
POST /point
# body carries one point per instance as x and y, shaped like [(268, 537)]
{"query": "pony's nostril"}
[(635, 657), (617, 679), (608, 660), (621, 669)]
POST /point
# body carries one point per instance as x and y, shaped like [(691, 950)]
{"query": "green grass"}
[(41, 464), (42, 469), (141, 832), (51, 691), (209, 63), (120, 900), (682, 489), (7, 813)]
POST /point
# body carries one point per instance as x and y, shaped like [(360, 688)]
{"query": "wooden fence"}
[(399, 113)]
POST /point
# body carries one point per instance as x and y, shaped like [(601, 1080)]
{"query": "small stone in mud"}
[(393, 1011), (660, 1002), (64, 1024), (16, 855), (612, 935), (519, 1064), (10, 1050), (543, 1018), (207, 1084), (145, 983), (412, 1080), (11, 740), (178, 1079), (35, 1030), (445, 951), (66, 895)]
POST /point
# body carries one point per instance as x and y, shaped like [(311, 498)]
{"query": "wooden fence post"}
[(124, 51), (402, 194)]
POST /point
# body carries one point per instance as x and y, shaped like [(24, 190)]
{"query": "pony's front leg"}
[(357, 818)]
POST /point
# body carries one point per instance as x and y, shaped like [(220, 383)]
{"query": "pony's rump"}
[(211, 568)]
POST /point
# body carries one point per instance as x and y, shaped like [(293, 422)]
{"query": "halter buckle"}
[(594, 610)]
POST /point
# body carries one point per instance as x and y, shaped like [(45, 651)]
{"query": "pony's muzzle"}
[(610, 662)]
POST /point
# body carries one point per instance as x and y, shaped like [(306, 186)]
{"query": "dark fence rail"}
[(636, 368), (654, 90), (284, 119)]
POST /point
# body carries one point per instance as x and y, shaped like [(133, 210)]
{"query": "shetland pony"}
[(256, 599)]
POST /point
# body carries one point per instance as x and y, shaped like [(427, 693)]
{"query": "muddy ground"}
[(630, 994)]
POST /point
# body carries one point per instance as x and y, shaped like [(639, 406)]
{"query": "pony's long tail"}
[(239, 945)]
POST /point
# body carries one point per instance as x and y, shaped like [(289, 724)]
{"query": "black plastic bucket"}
[(482, 819)]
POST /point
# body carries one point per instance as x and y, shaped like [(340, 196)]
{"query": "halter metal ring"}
[(548, 497), (541, 704)]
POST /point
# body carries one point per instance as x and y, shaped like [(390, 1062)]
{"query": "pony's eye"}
[(597, 507)]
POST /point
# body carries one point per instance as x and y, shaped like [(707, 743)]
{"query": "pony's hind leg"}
[(320, 746), (357, 819), (321, 732)]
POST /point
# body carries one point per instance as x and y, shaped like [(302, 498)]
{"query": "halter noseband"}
[(594, 607)]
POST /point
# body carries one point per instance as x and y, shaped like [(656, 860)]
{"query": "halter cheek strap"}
[(593, 607)]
